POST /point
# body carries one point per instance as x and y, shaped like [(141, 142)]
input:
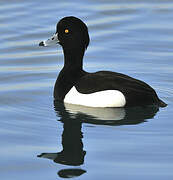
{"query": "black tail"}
[(162, 104)]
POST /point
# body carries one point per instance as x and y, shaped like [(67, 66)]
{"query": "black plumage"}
[(72, 35)]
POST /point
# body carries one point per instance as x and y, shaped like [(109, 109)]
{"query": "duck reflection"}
[(72, 153), (105, 116), (73, 116)]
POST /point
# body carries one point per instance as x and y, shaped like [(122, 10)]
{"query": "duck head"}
[(71, 33)]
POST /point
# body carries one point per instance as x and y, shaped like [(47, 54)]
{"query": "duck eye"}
[(66, 31)]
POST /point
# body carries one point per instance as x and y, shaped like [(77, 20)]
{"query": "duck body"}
[(99, 89), (104, 89)]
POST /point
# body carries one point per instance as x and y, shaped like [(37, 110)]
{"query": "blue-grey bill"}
[(51, 41)]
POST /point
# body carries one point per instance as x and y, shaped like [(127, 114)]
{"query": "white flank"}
[(107, 98)]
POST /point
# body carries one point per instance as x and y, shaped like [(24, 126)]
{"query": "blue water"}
[(44, 140)]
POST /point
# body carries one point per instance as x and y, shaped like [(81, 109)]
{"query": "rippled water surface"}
[(44, 140)]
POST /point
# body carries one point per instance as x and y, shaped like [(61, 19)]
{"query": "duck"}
[(97, 89)]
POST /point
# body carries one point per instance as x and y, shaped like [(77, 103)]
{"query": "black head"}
[(72, 33)]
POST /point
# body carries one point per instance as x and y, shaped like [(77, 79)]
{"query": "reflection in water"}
[(105, 116), (72, 117), (72, 153), (69, 173)]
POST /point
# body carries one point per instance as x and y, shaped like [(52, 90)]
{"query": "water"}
[(43, 140)]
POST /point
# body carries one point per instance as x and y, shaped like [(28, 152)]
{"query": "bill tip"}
[(41, 43)]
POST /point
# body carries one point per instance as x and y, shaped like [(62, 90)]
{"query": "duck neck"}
[(71, 72), (73, 59)]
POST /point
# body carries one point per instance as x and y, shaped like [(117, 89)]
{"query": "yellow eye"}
[(66, 31)]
